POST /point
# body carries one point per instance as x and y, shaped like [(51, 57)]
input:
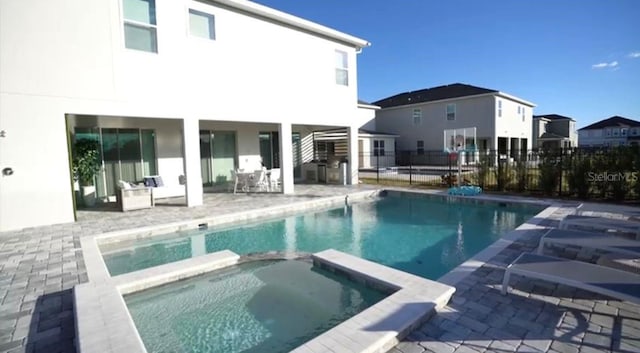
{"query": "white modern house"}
[(502, 121), (614, 131), (187, 90), (554, 131)]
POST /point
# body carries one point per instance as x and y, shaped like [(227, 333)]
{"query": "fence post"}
[(410, 169), (559, 162)]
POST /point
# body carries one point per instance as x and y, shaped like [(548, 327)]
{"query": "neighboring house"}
[(188, 90), (502, 121), (376, 149), (554, 131), (614, 131)]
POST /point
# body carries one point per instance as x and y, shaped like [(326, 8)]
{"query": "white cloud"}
[(604, 65), (634, 55)]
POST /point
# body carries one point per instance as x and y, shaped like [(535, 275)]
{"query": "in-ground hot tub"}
[(258, 306)]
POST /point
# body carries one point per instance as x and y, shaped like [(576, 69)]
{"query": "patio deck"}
[(39, 267)]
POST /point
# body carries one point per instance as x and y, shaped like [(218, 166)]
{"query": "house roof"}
[(551, 136), (553, 117), (455, 90), (614, 121), (293, 21), (377, 133)]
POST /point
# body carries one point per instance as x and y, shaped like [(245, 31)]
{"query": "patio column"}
[(191, 146), (286, 157), (352, 169)]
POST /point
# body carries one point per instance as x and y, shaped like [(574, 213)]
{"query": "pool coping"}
[(115, 328), (104, 324)]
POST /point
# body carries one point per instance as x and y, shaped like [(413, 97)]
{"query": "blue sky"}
[(579, 58)]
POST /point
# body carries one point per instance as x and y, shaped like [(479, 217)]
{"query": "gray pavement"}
[(39, 267)]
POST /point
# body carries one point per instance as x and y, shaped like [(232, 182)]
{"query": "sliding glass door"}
[(127, 154), (270, 151), (217, 156)]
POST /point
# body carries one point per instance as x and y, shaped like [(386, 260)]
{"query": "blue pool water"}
[(426, 236), (262, 306)]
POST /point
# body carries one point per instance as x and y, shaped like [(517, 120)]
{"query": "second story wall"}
[(403, 121), (251, 69), (513, 119)]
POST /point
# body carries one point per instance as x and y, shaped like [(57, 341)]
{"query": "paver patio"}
[(39, 267)]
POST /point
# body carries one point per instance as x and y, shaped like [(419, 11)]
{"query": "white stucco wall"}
[(366, 117), (68, 57), (514, 125)]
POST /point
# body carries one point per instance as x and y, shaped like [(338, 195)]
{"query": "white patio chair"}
[(258, 181), (274, 178), (130, 197), (241, 180)]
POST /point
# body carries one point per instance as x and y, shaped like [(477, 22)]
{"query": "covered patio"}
[(186, 158)]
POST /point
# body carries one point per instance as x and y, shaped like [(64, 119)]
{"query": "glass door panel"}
[(223, 155), (297, 155), (149, 152), (206, 170), (265, 149), (111, 159), (130, 155)]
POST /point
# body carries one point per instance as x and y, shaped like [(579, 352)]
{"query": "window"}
[(201, 24), (523, 114), (623, 131), (342, 68), (378, 147), (608, 132), (420, 147), (140, 25), (499, 108), (451, 112), (518, 110), (417, 116)]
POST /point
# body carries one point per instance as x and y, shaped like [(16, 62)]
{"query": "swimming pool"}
[(426, 236), (260, 306)]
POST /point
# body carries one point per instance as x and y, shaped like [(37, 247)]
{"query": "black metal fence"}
[(585, 173)]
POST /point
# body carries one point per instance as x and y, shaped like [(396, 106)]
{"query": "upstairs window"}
[(378, 147), (499, 108), (420, 146), (417, 116), (523, 114), (451, 112), (201, 24), (140, 30), (342, 68), (623, 131)]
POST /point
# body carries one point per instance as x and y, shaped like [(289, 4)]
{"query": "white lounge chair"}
[(601, 241), (601, 224), (598, 279)]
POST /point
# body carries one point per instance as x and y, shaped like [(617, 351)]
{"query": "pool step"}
[(412, 301)]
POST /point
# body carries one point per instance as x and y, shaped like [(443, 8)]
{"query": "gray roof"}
[(551, 136), (614, 121), (455, 90), (553, 117)]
